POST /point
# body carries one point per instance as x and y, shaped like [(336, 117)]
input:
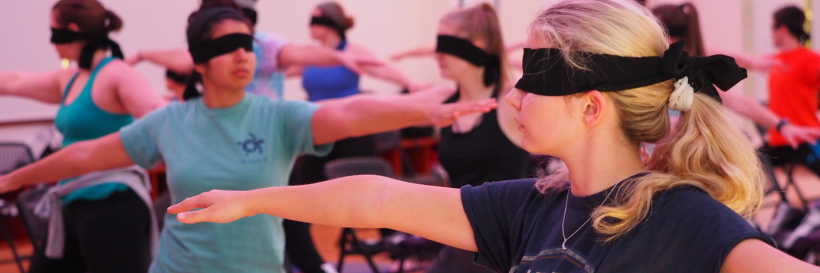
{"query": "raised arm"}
[(177, 60), (366, 201), (365, 114), (385, 72), (43, 87), (755, 256), (422, 51), (79, 158), (747, 61), (761, 115), (314, 55)]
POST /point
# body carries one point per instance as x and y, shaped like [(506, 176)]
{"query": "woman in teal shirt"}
[(231, 140)]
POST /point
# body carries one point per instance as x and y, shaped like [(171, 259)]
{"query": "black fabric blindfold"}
[(466, 50), (327, 22), (461, 48), (93, 43), (64, 36), (546, 73), (204, 51)]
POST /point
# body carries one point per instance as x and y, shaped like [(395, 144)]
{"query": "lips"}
[(520, 127), (241, 72)]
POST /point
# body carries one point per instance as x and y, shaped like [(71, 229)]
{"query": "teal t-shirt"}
[(250, 145)]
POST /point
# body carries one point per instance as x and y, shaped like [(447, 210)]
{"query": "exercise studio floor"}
[(326, 237)]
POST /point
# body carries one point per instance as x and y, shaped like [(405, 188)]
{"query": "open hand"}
[(216, 206), (795, 134), (446, 114)]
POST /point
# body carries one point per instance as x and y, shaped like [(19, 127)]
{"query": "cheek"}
[(546, 123), (218, 68)]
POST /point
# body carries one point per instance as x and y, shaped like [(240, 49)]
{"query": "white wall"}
[(384, 26)]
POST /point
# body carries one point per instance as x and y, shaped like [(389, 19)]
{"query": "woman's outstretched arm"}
[(364, 201)]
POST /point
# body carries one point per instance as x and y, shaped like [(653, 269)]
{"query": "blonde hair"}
[(480, 23), (707, 151)]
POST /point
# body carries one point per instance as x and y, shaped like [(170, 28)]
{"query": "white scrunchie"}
[(681, 99)]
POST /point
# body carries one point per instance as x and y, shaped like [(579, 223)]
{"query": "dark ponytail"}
[(191, 92), (682, 22), (693, 37)]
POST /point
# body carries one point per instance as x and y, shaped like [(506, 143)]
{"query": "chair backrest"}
[(387, 141), (13, 156), (358, 165), (36, 227)]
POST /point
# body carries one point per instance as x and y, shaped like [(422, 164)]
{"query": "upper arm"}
[(292, 54), (753, 255), (178, 60), (327, 123), (435, 213), (44, 87), (135, 92), (105, 153)]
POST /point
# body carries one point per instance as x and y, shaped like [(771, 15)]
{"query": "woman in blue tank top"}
[(328, 26), (101, 96)]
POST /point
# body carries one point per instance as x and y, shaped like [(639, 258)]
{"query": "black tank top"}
[(484, 154)]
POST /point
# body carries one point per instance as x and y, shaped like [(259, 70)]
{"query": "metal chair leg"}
[(10, 241)]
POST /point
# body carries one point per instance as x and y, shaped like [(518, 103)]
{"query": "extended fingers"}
[(196, 202)]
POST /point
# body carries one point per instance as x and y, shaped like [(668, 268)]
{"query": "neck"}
[(789, 45), (600, 163), (331, 40), (471, 85), (215, 97), (99, 55)]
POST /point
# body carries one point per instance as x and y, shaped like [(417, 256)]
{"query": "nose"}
[(241, 54), (514, 98)]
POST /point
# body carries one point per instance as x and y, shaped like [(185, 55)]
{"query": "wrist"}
[(247, 199), (781, 124)]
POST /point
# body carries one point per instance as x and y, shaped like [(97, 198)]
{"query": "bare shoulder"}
[(120, 71)]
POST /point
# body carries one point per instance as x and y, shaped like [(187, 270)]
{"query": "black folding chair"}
[(348, 241), (12, 156)]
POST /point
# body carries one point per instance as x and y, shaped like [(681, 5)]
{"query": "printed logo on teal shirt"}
[(253, 150)]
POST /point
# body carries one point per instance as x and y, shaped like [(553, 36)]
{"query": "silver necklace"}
[(569, 192)]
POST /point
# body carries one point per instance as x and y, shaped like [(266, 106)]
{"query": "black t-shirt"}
[(484, 154), (518, 229)]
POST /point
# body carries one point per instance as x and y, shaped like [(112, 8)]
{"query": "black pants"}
[(311, 169), (108, 235), (804, 155)]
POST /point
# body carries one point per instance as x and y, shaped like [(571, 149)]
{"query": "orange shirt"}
[(793, 90)]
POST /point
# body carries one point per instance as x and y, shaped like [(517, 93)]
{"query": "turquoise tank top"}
[(83, 120), (333, 82)]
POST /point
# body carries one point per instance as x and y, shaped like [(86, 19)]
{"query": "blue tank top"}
[(333, 82), (83, 120)]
